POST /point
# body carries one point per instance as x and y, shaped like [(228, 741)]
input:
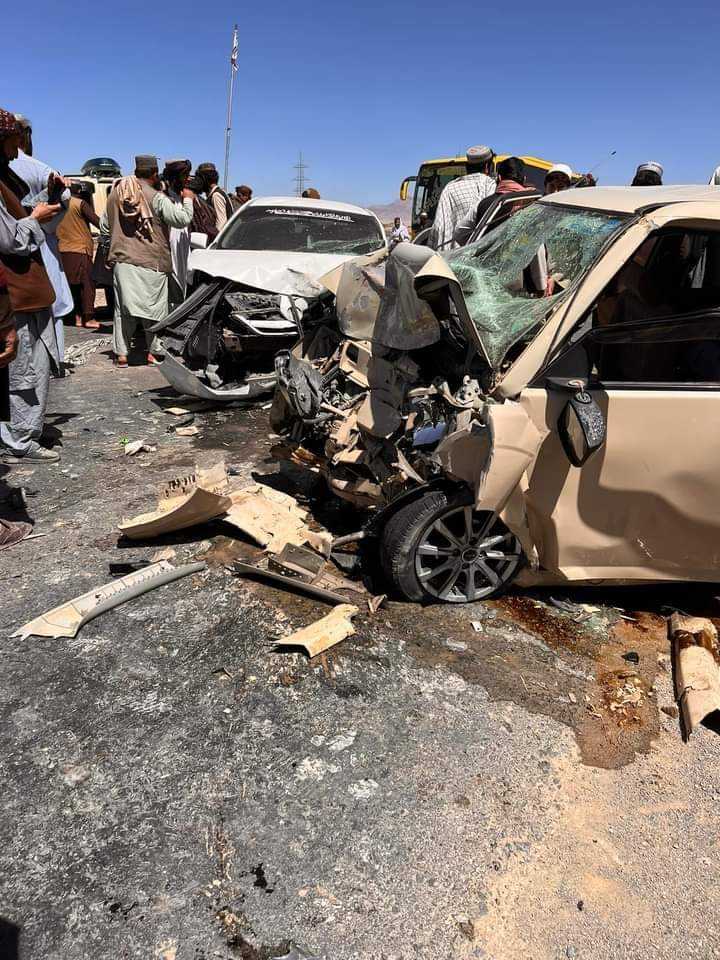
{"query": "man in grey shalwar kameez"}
[(17, 238), (31, 298), (139, 218)]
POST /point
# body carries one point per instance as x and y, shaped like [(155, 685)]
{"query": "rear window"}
[(302, 230)]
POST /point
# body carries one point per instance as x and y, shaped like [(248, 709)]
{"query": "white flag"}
[(234, 52)]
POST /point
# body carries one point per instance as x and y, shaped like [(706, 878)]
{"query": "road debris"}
[(457, 646), (297, 562), (325, 633), (269, 517), (189, 431), (190, 406), (575, 610), (79, 353), (184, 502), (67, 619), (470, 927), (261, 573), (374, 603), (626, 691), (166, 553), (187, 421), (135, 446), (696, 655)]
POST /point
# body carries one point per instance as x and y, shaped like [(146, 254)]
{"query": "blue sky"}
[(368, 89)]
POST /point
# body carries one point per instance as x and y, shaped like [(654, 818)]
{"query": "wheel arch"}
[(383, 516)]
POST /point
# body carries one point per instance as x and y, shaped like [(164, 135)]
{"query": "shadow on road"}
[(9, 940)]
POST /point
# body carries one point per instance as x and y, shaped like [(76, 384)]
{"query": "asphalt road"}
[(447, 783)]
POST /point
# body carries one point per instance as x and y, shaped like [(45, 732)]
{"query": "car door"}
[(644, 506)]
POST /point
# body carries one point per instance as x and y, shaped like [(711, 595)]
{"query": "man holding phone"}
[(41, 178), (31, 297), (18, 238)]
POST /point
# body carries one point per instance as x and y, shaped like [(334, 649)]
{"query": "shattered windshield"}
[(298, 230), (513, 277)]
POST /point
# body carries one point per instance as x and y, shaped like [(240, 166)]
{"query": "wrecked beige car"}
[(539, 405)]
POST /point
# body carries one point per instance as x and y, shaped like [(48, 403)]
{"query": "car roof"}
[(308, 203), (633, 199)]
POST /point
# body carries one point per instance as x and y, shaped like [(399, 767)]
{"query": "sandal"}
[(12, 533), (90, 325), (121, 361)]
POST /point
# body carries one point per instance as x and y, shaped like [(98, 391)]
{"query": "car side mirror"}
[(198, 241), (581, 425)]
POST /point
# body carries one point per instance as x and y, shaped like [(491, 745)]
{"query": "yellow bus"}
[(434, 175)]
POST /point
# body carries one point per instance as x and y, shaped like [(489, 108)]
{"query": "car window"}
[(673, 272), (658, 320), (431, 181), (681, 351), (301, 230)]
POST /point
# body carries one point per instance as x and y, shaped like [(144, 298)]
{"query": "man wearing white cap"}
[(559, 177), (461, 196), (648, 175)]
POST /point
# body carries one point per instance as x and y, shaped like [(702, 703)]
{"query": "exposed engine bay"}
[(376, 421)]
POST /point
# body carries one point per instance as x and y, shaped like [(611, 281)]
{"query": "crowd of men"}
[(49, 271), (464, 200)]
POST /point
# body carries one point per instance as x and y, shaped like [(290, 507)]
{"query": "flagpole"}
[(228, 127)]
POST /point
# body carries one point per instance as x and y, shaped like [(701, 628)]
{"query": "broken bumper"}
[(186, 382)]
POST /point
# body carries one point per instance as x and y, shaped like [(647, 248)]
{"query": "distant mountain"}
[(386, 212)]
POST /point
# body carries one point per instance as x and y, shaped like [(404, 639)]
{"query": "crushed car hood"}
[(381, 298), (292, 274)]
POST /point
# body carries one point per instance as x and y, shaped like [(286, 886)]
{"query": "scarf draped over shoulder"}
[(133, 206)]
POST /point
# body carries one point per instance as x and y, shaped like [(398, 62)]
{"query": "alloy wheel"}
[(465, 555)]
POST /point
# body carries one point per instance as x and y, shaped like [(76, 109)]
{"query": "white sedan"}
[(257, 291)]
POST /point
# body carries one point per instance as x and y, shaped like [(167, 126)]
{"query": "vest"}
[(229, 211), (126, 246), (73, 232), (27, 281), (203, 220)]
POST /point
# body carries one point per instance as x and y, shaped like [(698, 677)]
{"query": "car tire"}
[(438, 548)]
